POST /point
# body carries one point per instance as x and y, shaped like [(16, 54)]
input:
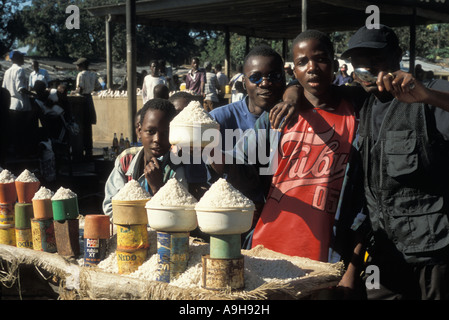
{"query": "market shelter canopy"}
[(269, 19), (276, 19)]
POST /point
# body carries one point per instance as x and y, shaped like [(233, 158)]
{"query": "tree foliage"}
[(11, 24), (47, 34)]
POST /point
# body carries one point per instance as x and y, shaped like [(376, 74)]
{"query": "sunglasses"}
[(257, 78)]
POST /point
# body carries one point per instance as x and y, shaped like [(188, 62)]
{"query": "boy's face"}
[(268, 92), (313, 66), (154, 133), (374, 61)]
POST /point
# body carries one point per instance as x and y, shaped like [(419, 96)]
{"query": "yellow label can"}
[(7, 214), (132, 237), (24, 238), (129, 261), (8, 235)]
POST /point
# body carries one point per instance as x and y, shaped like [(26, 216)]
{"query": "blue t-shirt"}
[(233, 116)]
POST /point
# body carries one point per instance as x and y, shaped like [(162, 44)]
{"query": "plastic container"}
[(224, 220), (195, 135), (42, 209), (97, 226), (26, 190), (8, 193), (65, 209), (172, 219), (129, 212)]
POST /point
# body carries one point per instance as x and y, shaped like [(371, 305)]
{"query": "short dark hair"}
[(264, 51), (158, 104), (317, 35), (182, 95)]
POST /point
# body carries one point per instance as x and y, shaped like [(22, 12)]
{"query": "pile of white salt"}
[(6, 176), (27, 176), (63, 193), (132, 191), (193, 113), (222, 194), (172, 194), (43, 193)]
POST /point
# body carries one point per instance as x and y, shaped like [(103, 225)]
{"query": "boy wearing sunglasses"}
[(313, 154), (264, 82)]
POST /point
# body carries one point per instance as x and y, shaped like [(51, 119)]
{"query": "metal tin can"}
[(7, 213), (221, 274), (132, 237), (130, 261), (43, 233), (94, 251), (67, 237), (23, 215), (24, 238), (8, 235), (173, 254)]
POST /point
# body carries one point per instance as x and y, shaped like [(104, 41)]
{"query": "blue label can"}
[(94, 251), (173, 254)]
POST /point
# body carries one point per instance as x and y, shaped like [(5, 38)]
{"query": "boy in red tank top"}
[(313, 154)]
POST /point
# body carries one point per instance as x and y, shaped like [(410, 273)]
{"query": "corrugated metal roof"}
[(276, 19)]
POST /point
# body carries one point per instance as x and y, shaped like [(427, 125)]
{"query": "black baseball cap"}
[(379, 38)]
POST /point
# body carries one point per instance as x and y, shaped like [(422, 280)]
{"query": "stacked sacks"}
[(42, 227), (8, 198), (66, 224), (130, 218), (26, 186)]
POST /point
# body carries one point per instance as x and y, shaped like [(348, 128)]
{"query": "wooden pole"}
[(304, 15), (412, 43), (109, 79), (131, 58), (227, 53)]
